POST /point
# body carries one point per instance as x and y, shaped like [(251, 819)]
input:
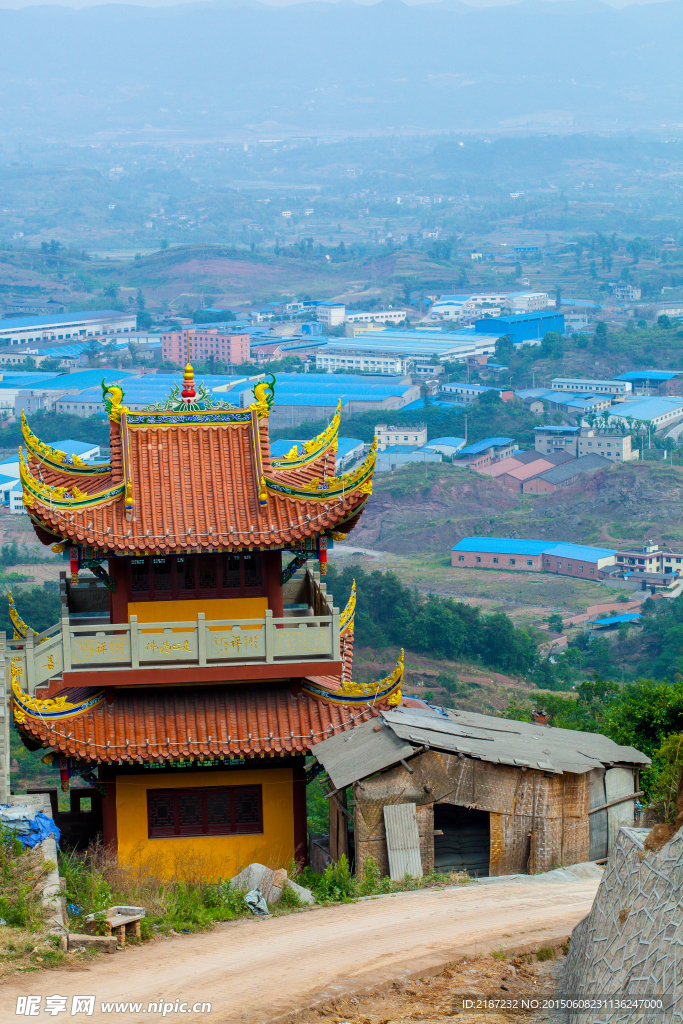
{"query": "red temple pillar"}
[(272, 571)]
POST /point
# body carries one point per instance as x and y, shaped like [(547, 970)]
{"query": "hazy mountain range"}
[(206, 69)]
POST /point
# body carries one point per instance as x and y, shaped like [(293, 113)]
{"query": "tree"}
[(140, 300), (52, 247), (440, 250), (558, 297), (111, 292), (664, 322), (555, 623), (635, 247), (144, 320), (490, 397), (50, 365), (666, 768), (552, 345), (504, 347), (601, 329), (163, 244)]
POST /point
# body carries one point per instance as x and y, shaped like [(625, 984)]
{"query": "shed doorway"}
[(466, 841)]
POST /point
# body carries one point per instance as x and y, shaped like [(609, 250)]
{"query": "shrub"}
[(665, 770), (21, 875)]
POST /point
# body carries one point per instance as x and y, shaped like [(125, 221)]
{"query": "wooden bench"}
[(118, 921)]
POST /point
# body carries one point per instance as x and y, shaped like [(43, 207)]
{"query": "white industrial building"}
[(388, 435), (379, 316), (398, 351), (466, 306), (529, 302), (331, 313), (65, 326), (462, 307), (618, 388), (656, 412)]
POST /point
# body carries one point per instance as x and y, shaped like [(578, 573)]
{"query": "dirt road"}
[(256, 970)]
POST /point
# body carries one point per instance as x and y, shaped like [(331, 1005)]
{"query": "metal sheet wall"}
[(597, 821), (618, 782)]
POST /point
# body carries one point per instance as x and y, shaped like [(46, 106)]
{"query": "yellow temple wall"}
[(186, 611), (209, 857)]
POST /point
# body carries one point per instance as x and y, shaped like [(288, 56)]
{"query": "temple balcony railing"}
[(73, 650)]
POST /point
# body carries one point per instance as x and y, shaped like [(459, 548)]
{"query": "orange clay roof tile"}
[(194, 486), (200, 721)]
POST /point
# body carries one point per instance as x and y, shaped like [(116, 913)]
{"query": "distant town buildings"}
[(380, 316), (646, 567), (517, 555), (615, 388), (203, 343), (395, 351), (483, 453), (577, 441), (387, 435), (524, 328), (656, 412), (469, 393), (464, 307), (331, 313), (529, 302), (653, 382), (626, 292), (65, 326)]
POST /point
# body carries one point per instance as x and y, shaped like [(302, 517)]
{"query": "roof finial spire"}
[(188, 392)]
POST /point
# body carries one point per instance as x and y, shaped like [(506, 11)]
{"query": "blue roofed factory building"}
[(483, 453), (300, 397), (394, 351), (303, 397), (518, 555), (349, 449), (522, 327), (65, 326), (654, 382)]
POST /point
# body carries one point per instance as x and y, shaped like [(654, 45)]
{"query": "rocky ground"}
[(512, 986), (412, 511)]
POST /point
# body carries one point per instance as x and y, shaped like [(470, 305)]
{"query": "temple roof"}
[(197, 721), (192, 474)]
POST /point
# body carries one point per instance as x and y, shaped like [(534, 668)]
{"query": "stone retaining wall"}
[(631, 943)]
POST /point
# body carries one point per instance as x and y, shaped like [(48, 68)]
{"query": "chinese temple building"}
[(193, 669)]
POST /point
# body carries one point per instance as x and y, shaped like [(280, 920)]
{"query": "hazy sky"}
[(16, 4)]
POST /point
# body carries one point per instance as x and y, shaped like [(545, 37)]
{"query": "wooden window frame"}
[(201, 794), (175, 593)]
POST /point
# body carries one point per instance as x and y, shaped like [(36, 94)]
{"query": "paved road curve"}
[(254, 970)]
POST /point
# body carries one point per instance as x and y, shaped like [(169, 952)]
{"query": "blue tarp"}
[(29, 831)]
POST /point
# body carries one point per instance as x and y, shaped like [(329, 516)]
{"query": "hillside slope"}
[(430, 508)]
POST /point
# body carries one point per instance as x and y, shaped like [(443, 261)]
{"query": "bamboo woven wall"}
[(537, 821)]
